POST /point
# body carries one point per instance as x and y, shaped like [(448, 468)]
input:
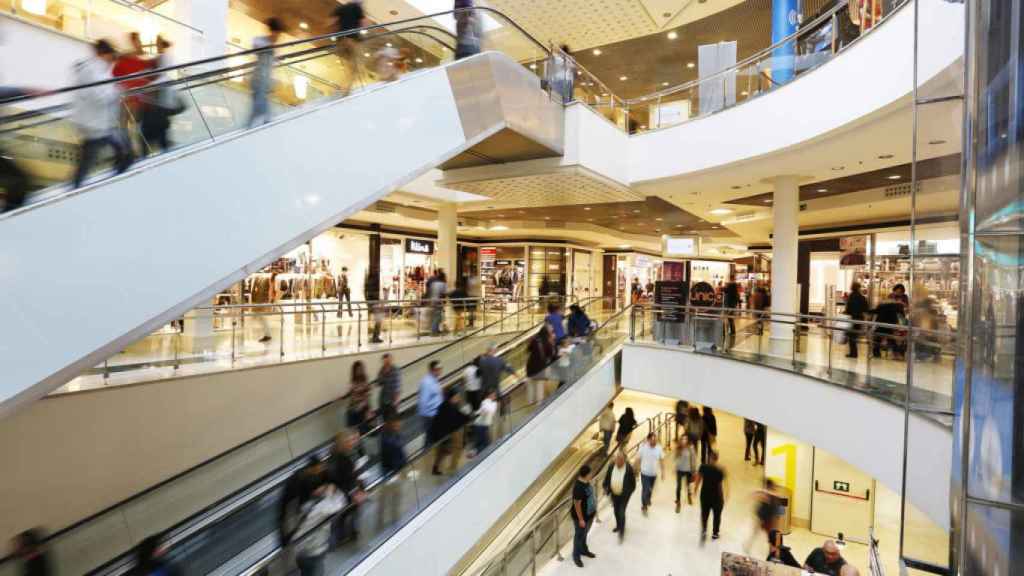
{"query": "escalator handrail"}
[(659, 420), (218, 74), (249, 492), (331, 36), (67, 529)]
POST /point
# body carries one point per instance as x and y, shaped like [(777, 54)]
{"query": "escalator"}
[(238, 533), (90, 270)]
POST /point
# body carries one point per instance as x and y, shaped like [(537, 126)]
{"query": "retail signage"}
[(680, 246), (702, 294), (488, 253), (853, 251), (419, 246), (671, 294)]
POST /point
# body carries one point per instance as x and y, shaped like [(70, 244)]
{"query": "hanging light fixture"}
[(37, 7)]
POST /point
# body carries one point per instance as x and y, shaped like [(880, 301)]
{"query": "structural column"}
[(446, 255), (784, 20), (785, 243)]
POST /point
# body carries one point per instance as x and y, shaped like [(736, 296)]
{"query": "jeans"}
[(156, 123), (310, 565), (679, 484), (750, 443), (260, 113), (90, 151), (707, 506), (436, 316), (345, 295), (647, 483), (705, 448), (579, 539), (851, 340), (481, 437), (606, 439), (619, 507)]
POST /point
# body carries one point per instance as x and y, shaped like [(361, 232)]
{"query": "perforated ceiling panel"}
[(555, 189), (581, 23)]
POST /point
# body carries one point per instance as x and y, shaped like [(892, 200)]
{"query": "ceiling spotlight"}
[(822, 190), (389, 45), (744, 93), (894, 177), (690, 64), (596, 52), (419, 60), (767, 200), (664, 83), (838, 168), (679, 225), (720, 211), (623, 78), (533, 66), (673, 35), (624, 246), (364, 32), (586, 207), (636, 211), (366, 54), (547, 217), (303, 25)]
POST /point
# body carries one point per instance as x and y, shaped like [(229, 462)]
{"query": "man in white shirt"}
[(484, 421), (619, 483), (650, 465)]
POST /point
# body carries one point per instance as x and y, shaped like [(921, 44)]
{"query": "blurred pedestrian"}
[(766, 512), (579, 322), (437, 290), (710, 483), (694, 426), (430, 399), (313, 536), (760, 439), (468, 29), (471, 381), (627, 423), (710, 434), (390, 381), (392, 460), (562, 74), (542, 354), (343, 472), (349, 18), (13, 179), (856, 307), (583, 511), (649, 457), (731, 301), (484, 421), (778, 552), (606, 425), (29, 549), (619, 484), (151, 558), (749, 430), (492, 367), (297, 489), (448, 422), (686, 467), (132, 61), (556, 321), (160, 103), (681, 414), (263, 73), (97, 112), (358, 413)]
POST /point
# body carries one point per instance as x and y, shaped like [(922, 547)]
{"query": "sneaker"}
[(714, 536), (590, 554)]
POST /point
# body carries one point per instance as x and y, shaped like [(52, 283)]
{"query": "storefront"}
[(715, 272), (503, 272), (582, 274), (417, 267), (547, 271)]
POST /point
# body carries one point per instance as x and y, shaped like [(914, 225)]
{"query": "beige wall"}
[(73, 455)]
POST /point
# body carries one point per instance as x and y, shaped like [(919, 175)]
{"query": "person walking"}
[(606, 424), (627, 423), (542, 353), (686, 466), (484, 420), (766, 512), (856, 307), (583, 510), (263, 73), (313, 536), (579, 322), (619, 484), (392, 460), (468, 29), (760, 439), (471, 381), (682, 408), (492, 367), (97, 113), (30, 550), (710, 434), (649, 456), (151, 558), (437, 289), (448, 422), (358, 413), (430, 398), (711, 485), (390, 381), (694, 426), (160, 104), (749, 431), (344, 292), (731, 301)]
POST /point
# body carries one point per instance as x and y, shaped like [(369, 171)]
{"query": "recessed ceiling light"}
[(936, 142), (624, 245), (664, 83), (690, 64), (586, 207), (501, 215), (822, 190), (838, 168), (673, 35), (679, 225), (366, 54), (303, 25), (419, 60), (716, 227), (658, 219), (719, 211), (596, 52), (636, 211), (643, 127), (623, 78), (744, 93), (894, 177), (533, 66), (767, 200), (547, 217), (885, 156), (364, 32), (590, 219)]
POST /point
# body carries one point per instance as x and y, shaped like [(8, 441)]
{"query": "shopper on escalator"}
[(430, 398), (627, 423), (263, 74), (342, 471), (150, 558), (449, 421), (97, 113), (492, 367), (349, 17), (468, 29), (30, 550), (856, 308), (297, 490), (392, 460), (160, 104), (13, 179), (313, 536), (579, 322), (542, 354), (556, 321)]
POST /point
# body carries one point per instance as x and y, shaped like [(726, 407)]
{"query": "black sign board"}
[(671, 293), (702, 294), (416, 246)]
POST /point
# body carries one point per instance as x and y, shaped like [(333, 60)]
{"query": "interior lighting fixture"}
[(721, 211), (885, 156), (744, 93), (419, 60), (364, 32), (37, 7), (623, 78), (533, 66), (366, 54), (767, 200), (822, 190), (596, 52), (499, 228), (664, 83), (838, 168), (303, 25), (389, 45), (658, 219), (300, 84), (624, 246), (673, 35), (586, 208), (636, 211), (894, 177), (690, 64)]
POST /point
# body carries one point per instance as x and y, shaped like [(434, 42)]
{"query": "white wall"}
[(860, 429), (596, 144), (436, 539), (36, 57)]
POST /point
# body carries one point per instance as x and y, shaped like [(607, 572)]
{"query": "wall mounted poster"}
[(854, 251)]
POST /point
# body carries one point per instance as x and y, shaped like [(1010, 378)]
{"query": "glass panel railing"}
[(543, 539), (226, 486), (200, 101), (239, 336)]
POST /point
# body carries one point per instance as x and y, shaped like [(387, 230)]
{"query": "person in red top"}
[(131, 63)]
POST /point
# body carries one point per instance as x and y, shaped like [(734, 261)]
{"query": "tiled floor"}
[(669, 544)]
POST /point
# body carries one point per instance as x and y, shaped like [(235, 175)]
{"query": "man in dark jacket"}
[(579, 323), (297, 490), (390, 380), (856, 307), (491, 369), (887, 312), (619, 483), (342, 472), (449, 419), (392, 460)]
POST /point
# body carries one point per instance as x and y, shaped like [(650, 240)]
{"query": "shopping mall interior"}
[(389, 286)]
